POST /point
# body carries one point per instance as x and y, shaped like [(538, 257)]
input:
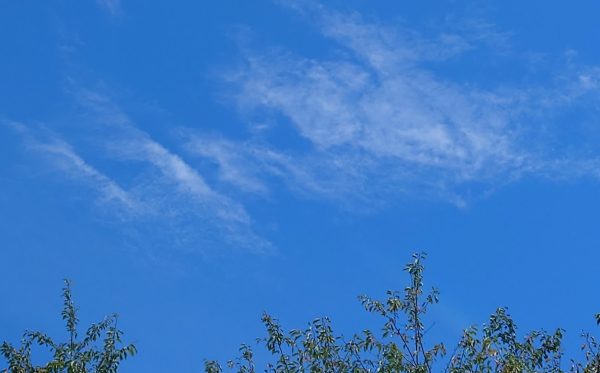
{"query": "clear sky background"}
[(191, 164)]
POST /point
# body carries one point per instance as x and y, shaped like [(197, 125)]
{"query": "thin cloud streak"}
[(128, 143), (378, 122), (371, 124), (174, 169), (62, 156), (178, 187), (113, 7), (163, 191)]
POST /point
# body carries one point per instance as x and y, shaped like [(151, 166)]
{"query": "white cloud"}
[(113, 7), (368, 123), (62, 156), (236, 165), (177, 189), (252, 166), (163, 190), (386, 113), (378, 120)]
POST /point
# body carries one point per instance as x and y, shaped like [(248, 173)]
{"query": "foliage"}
[(99, 351), (499, 350), (401, 347)]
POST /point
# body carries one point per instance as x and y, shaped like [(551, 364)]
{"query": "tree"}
[(401, 346), (99, 351)]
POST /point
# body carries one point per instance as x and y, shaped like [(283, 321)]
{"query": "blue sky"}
[(190, 165)]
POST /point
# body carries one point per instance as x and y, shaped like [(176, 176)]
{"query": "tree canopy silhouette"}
[(100, 350), (399, 346)]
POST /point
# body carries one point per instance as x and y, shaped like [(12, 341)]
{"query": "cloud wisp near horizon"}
[(374, 121)]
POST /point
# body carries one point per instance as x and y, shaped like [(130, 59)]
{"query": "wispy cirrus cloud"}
[(377, 119), (61, 155), (126, 142), (166, 182), (113, 7), (255, 167), (164, 196)]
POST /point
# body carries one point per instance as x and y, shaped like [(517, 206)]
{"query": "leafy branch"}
[(86, 355)]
